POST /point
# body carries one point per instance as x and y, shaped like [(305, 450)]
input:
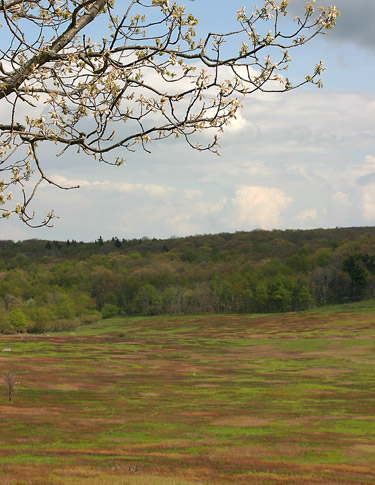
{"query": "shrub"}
[(91, 318), (18, 320), (110, 310), (64, 324)]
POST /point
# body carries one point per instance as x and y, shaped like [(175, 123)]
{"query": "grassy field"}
[(198, 399)]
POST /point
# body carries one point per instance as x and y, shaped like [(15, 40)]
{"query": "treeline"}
[(55, 285)]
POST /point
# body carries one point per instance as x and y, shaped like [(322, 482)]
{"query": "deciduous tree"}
[(103, 77)]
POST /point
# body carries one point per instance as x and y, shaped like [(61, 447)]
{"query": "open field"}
[(284, 398)]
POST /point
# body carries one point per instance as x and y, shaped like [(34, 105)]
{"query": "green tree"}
[(189, 255), (280, 294), (18, 320), (300, 263), (105, 282), (247, 300), (302, 298), (129, 75), (110, 310), (5, 323), (170, 300), (261, 296), (223, 290), (40, 320), (355, 266), (148, 300), (323, 256)]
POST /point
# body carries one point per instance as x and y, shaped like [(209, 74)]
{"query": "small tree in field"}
[(10, 381), (102, 76)]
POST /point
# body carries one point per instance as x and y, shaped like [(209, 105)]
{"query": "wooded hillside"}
[(55, 285)]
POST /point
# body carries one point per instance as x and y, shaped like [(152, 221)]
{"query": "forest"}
[(48, 286)]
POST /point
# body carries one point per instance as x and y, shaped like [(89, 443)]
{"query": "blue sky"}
[(302, 159)]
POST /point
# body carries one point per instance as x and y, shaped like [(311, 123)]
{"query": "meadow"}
[(250, 399)]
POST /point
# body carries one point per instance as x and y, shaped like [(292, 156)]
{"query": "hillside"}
[(55, 285)]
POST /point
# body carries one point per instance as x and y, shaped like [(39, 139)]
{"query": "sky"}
[(298, 160)]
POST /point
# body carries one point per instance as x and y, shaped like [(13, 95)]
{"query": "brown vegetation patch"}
[(321, 372), (7, 358), (255, 451), (31, 411), (207, 385), (63, 387), (300, 420), (245, 452), (320, 392), (74, 422), (167, 443), (276, 381), (252, 421), (202, 414), (361, 449)]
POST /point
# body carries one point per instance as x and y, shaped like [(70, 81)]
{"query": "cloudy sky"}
[(302, 159)]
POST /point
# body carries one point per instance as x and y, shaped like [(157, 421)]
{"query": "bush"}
[(110, 310), (18, 320), (64, 324), (40, 320), (91, 318), (5, 325)]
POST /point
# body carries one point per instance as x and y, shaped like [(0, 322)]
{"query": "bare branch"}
[(151, 80), (10, 381)]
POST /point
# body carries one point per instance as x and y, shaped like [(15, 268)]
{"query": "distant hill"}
[(51, 285)]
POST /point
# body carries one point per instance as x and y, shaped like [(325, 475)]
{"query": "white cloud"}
[(151, 190), (368, 201), (370, 159), (289, 153), (237, 124), (258, 207), (299, 132), (360, 173), (340, 198), (192, 193), (307, 214), (210, 208)]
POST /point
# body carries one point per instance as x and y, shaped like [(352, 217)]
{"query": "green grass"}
[(206, 399)]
